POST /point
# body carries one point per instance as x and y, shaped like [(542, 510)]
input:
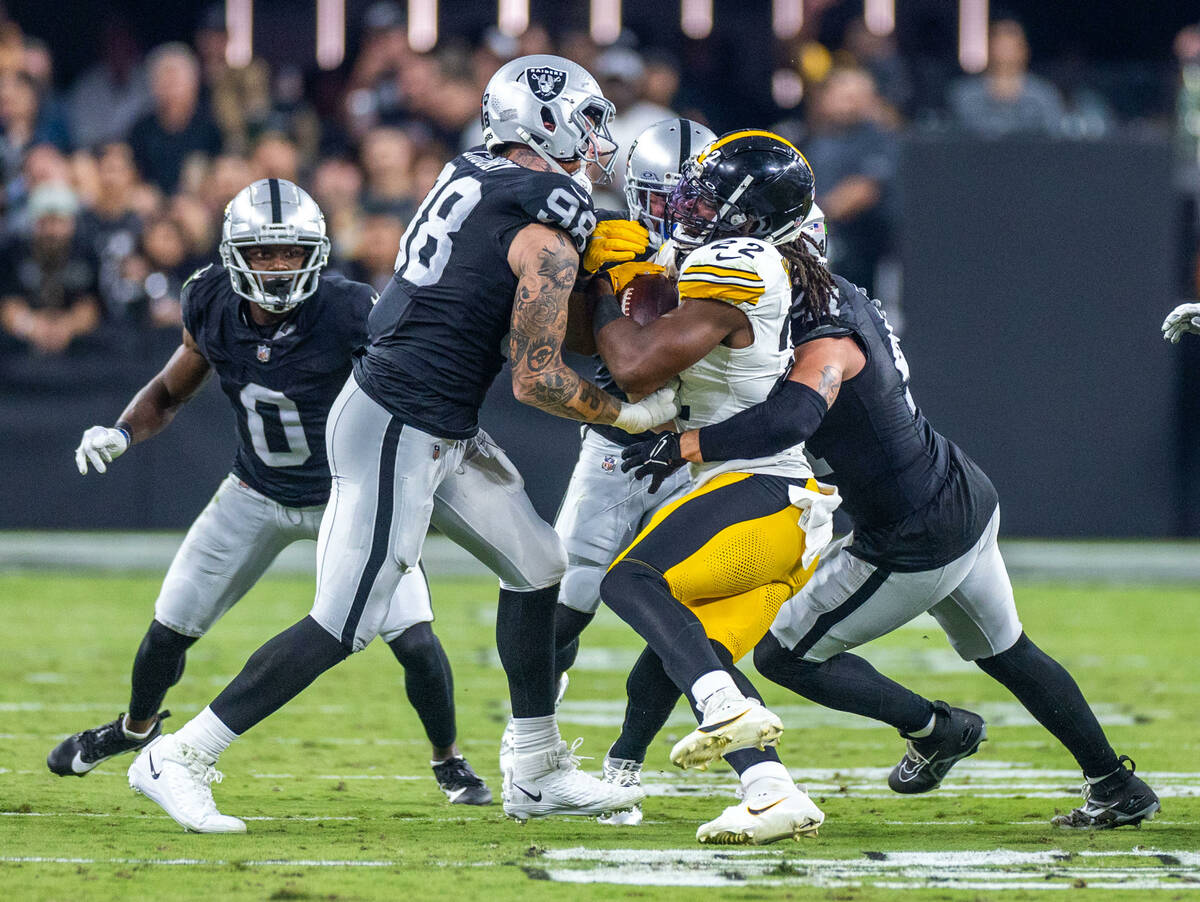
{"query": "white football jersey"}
[(752, 275)]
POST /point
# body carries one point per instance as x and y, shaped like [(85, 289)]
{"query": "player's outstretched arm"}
[(151, 409), (546, 263)]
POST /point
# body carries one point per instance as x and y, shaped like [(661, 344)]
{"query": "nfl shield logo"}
[(264, 353), (546, 82), (437, 451), (609, 464)]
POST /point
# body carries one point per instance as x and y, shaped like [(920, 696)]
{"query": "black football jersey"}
[(917, 500), (439, 333), (280, 380)]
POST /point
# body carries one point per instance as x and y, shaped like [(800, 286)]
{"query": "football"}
[(647, 297)]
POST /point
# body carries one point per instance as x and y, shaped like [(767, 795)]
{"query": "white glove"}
[(101, 445), (653, 410), (816, 518), (1184, 318)]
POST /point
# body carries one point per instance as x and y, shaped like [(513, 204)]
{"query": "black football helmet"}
[(747, 183)]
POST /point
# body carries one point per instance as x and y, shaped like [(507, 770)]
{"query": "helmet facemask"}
[(276, 291), (696, 215)]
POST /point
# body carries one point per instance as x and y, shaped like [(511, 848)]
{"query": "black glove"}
[(656, 457)]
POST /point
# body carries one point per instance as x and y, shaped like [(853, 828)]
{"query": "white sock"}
[(207, 734), (926, 730), (711, 682), (769, 770), (534, 734), (130, 734)]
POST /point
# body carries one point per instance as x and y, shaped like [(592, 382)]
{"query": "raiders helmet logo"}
[(264, 353), (546, 82)]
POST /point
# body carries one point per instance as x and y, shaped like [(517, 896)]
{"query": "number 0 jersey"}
[(281, 380), (917, 500), (751, 275), (438, 335)]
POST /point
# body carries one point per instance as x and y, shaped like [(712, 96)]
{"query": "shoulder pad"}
[(189, 304), (554, 199), (730, 270)]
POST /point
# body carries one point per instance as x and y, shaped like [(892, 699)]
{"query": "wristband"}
[(607, 309), (122, 427)]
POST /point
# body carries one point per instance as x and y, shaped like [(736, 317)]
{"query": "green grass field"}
[(341, 805)]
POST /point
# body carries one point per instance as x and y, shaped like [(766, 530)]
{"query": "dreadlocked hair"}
[(812, 283)]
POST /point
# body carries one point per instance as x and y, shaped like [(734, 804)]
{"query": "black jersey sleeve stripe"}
[(276, 201), (383, 529), (830, 619)]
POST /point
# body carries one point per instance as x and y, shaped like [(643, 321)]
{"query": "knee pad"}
[(772, 658), (623, 579), (580, 589), (415, 644)]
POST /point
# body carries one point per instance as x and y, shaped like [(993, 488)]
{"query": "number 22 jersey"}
[(282, 379), (439, 333)]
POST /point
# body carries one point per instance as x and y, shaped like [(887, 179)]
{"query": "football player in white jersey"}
[(717, 563), (604, 508)]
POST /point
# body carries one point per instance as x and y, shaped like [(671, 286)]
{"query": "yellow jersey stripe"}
[(720, 291), (713, 270)]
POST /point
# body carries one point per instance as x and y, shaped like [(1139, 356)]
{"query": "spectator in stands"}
[(1007, 98), (178, 127), (20, 124), (154, 275), (48, 281), (53, 119), (337, 186), (201, 229), (621, 74), (387, 160), (877, 53), (110, 227), (375, 260), (275, 156), (107, 99), (855, 162), (374, 95), (43, 164)]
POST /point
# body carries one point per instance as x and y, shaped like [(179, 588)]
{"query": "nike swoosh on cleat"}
[(455, 793), (536, 798), (77, 765), (717, 726), (904, 775), (155, 774), (757, 811)]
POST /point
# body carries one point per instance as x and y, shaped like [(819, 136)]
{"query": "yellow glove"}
[(615, 241), (624, 273)]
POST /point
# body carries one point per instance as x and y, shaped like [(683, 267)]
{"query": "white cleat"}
[(622, 772), (508, 742), (771, 812), (174, 776), (731, 722), (551, 782)]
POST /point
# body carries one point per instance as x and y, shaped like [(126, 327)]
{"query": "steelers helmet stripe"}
[(747, 133)]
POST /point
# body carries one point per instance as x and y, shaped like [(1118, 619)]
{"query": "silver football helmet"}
[(274, 212), (555, 107), (655, 160)]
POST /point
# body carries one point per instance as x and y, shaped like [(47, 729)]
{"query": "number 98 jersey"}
[(281, 380), (438, 333)]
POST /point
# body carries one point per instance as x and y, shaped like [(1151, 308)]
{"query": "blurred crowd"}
[(112, 188)]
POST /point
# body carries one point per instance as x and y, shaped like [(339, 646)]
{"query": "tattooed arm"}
[(545, 262)]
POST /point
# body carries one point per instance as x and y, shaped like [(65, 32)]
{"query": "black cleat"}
[(1116, 801), (461, 785), (957, 734), (77, 755)]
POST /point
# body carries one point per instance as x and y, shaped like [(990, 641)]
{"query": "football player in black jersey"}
[(278, 334), (925, 520), (485, 267)]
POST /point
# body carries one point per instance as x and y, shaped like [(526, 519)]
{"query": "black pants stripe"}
[(830, 619)]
